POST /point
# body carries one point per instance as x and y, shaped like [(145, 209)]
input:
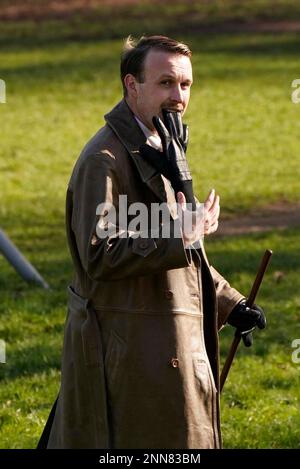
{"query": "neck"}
[(133, 108)]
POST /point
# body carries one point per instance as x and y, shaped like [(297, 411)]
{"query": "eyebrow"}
[(172, 77)]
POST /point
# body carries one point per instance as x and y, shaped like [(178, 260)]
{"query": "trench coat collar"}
[(121, 120)]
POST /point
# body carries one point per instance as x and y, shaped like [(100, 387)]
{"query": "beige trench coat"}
[(140, 357)]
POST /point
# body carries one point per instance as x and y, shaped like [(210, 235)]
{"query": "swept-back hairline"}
[(164, 52)]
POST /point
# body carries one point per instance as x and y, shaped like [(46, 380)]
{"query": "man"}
[(140, 359)]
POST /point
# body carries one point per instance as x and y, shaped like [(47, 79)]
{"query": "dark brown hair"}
[(134, 54)]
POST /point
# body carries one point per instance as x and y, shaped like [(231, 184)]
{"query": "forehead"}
[(158, 63)]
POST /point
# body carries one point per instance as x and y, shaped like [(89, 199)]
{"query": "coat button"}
[(175, 362), (168, 294)]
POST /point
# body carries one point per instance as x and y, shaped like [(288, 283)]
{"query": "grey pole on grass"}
[(18, 261)]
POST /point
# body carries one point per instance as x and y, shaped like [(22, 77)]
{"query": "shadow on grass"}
[(249, 44), (102, 66), (249, 249), (36, 74), (177, 19)]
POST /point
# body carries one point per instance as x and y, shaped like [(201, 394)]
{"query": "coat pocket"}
[(115, 362), (203, 373)]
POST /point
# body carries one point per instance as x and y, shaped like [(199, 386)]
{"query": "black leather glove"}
[(171, 162), (245, 319)]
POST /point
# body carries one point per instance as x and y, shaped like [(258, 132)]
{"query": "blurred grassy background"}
[(61, 70)]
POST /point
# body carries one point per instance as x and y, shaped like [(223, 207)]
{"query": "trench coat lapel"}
[(121, 120)]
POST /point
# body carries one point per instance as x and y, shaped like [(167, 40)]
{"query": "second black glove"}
[(245, 318)]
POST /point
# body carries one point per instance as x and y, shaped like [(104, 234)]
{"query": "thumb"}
[(247, 339)]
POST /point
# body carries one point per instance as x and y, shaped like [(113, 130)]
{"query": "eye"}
[(166, 82), (186, 85)]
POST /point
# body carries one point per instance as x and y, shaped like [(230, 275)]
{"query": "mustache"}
[(173, 108)]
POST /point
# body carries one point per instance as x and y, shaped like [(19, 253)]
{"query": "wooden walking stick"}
[(238, 335)]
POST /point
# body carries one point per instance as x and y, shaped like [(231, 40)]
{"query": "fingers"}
[(168, 122), (261, 323), (181, 200), (215, 207), (247, 339), (208, 222), (191, 222), (173, 122), (210, 199), (161, 128), (210, 229), (177, 121), (185, 136), (259, 316), (261, 319), (212, 212)]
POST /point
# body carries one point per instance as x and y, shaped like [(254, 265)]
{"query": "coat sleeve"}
[(118, 254), (227, 296)]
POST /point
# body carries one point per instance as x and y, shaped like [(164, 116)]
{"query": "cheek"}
[(187, 96), (161, 98), (144, 100), (152, 103), (151, 100), (186, 99)]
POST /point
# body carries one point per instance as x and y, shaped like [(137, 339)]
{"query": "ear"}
[(130, 84)]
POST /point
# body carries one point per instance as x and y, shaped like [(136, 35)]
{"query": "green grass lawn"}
[(244, 142), (260, 399)]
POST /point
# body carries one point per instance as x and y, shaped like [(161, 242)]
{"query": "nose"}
[(177, 94)]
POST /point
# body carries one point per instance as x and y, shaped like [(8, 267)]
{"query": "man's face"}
[(167, 83)]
